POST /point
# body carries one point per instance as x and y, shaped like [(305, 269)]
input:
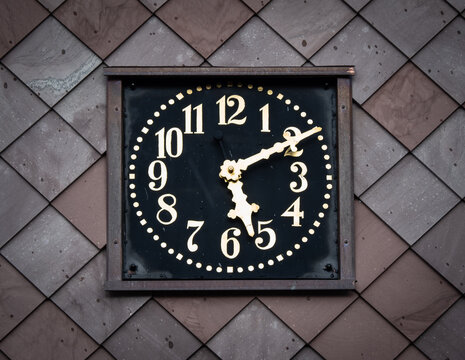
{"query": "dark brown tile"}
[(102, 24), (18, 297), (204, 24), (412, 353), (410, 199), (307, 25), (256, 5), (255, 44), (153, 5), (261, 334), (358, 44), (445, 340), (307, 353), (357, 4), (152, 331), (48, 334), (443, 246), (16, 192), (51, 4), (101, 354), (375, 150), (417, 295), (295, 311), (17, 18), (204, 316), (204, 354), (154, 44), (84, 203), (51, 61), (98, 312), (410, 106), (360, 333), (377, 246), (50, 155)]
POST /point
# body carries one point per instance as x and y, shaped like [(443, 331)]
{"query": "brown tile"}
[(443, 247), (357, 4), (50, 155), (101, 354), (410, 106), (17, 18), (417, 295), (3, 357), (153, 5), (259, 334), (102, 24), (51, 4), (84, 203), (445, 340), (360, 333), (18, 297), (152, 331), (375, 150), (84, 109), (447, 71), (307, 25), (98, 312), (19, 108), (255, 44), (154, 44), (458, 4), (204, 354), (377, 246), (204, 24), (16, 192), (412, 353), (296, 311), (444, 152), (307, 353), (51, 61), (358, 44), (48, 334), (256, 5), (410, 199), (204, 316)]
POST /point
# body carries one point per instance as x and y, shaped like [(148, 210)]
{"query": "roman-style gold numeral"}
[(259, 240), (190, 242), (231, 102), (230, 243), (265, 110), (294, 212), (295, 168), (159, 174), (166, 147), (167, 208), (198, 119)]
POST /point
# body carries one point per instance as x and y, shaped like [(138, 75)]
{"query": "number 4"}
[(294, 212)]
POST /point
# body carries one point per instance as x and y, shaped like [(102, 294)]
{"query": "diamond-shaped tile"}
[(50, 155), (442, 59), (101, 354), (204, 316), (20, 202), (307, 25), (255, 44), (258, 334), (357, 4), (377, 246), (17, 18), (206, 24), (84, 203), (410, 106), (152, 331), (51, 4), (19, 108), (204, 353), (49, 251), (307, 353), (458, 4), (410, 199), (296, 311), (17, 297), (375, 150), (48, 334), (154, 44), (412, 353), (445, 340), (153, 5), (84, 109), (96, 311), (408, 24), (360, 333), (443, 246), (358, 44), (417, 295), (51, 61), (444, 152), (256, 5), (102, 24)]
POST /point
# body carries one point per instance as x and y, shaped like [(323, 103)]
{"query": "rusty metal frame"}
[(114, 247)]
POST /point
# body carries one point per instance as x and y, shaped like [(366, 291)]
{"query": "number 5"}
[(259, 240)]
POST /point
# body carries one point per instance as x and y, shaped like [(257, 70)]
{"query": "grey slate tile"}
[(101, 354), (458, 4), (51, 5), (357, 4), (204, 354), (153, 5), (412, 353), (307, 353), (256, 5)]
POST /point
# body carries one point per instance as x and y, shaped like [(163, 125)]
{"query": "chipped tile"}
[(256, 5), (410, 106), (51, 5), (152, 331), (154, 44), (307, 353), (204, 354), (410, 199), (255, 44), (153, 5), (357, 4), (412, 353), (50, 155), (51, 61)]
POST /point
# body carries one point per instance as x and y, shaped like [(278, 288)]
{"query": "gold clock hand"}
[(243, 209)]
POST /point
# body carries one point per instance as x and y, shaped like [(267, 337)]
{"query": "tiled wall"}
[(409, 131)]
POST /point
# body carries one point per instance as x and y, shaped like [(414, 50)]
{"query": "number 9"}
[(162, 177)]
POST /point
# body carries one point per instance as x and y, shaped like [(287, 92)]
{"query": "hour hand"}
[(243, 209)]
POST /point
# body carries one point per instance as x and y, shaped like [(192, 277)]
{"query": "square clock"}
[(229, 179)]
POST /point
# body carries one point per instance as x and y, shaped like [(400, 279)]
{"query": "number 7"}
[(190, 242)]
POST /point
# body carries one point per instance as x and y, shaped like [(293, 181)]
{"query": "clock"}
[(230, 178)]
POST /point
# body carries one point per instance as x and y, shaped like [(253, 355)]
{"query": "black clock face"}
[(230, 179)]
